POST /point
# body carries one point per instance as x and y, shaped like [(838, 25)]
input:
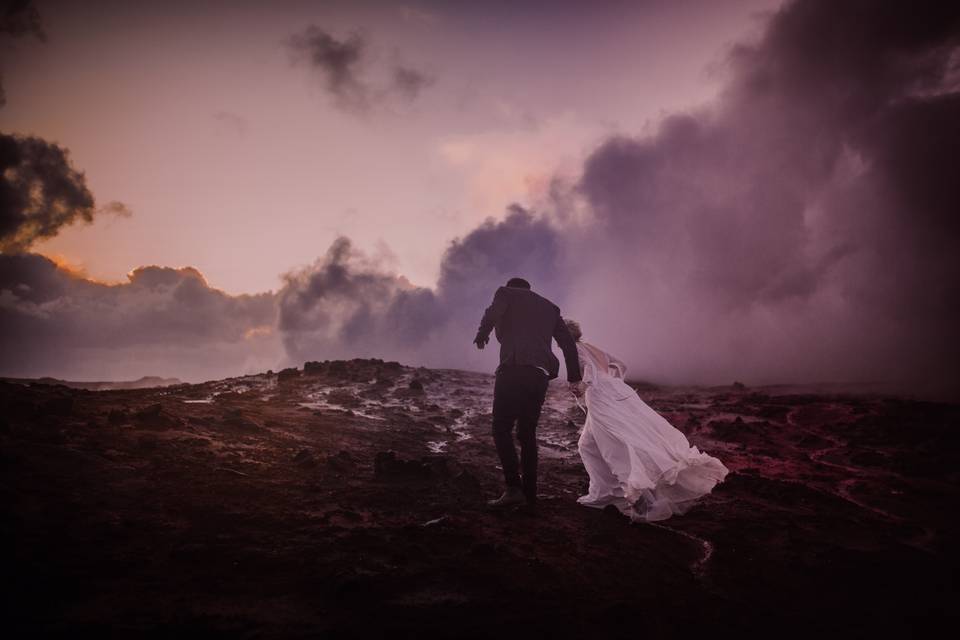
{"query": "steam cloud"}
[(803, 228), (347, 304), (341, 62)]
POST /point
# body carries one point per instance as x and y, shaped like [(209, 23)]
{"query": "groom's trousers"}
[(518, 395)]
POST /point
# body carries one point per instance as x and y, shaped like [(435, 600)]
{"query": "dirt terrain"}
[(346, 499)]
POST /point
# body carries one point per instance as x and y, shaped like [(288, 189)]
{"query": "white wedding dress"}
[(636, 460)]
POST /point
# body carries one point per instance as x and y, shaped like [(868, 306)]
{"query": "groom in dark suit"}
[(525, 324)]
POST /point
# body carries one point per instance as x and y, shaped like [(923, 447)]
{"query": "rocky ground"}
[(346, 500)]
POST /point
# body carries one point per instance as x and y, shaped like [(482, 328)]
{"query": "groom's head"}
[(519, 283)]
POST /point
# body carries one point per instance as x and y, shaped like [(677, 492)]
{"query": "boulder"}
[(287, 375), (235, 418), (337, 368), (305, 458), (155, 417), (438, 468), (386, 465), (313, 368), (342, 461), (62, 406)]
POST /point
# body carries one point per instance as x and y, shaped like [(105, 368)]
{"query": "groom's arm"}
[(490, 317), (569, 347)]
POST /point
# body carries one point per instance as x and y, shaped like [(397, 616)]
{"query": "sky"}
[(198, 117), (746, 190)]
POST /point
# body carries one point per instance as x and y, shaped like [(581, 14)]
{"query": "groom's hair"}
[(518, 282)]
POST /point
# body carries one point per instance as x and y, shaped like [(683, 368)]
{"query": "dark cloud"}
[(342, 62), (347, 304), (409, 82), (19, 18), (523, 244), (802, 228), (338, 61), (806, 225), (117, 208), (162, 320), (40, 192)]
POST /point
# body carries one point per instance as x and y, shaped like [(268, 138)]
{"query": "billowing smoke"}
[(162, 321), (806, 226), (347, 304), (343, 66), (40, 192), (803, 228)]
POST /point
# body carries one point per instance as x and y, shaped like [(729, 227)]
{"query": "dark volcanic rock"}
[(287, 375), (236, 419), (386, 464), (612, 512), (337, 368), (836, 516), (438, 468), (305, 458), (155, 417), (344, 399), (342, 461), (312, 368), (58, 406), (147, 443), (416, 384), (735, 429), (20, 409)]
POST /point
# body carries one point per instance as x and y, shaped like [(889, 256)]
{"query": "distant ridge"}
[(145, 382)]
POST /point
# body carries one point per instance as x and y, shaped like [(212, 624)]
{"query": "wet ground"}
[(348, 500)]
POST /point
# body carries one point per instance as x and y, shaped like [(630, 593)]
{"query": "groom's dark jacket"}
[(525, 324)]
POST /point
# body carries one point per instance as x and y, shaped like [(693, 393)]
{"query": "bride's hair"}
[(574, 327)]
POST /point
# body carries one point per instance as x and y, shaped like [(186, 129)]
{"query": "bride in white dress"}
[(636, 460)]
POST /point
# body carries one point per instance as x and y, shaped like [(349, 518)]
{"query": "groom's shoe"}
[(512, 496)]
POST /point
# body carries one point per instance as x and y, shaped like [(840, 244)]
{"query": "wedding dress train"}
[(635, 458)]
